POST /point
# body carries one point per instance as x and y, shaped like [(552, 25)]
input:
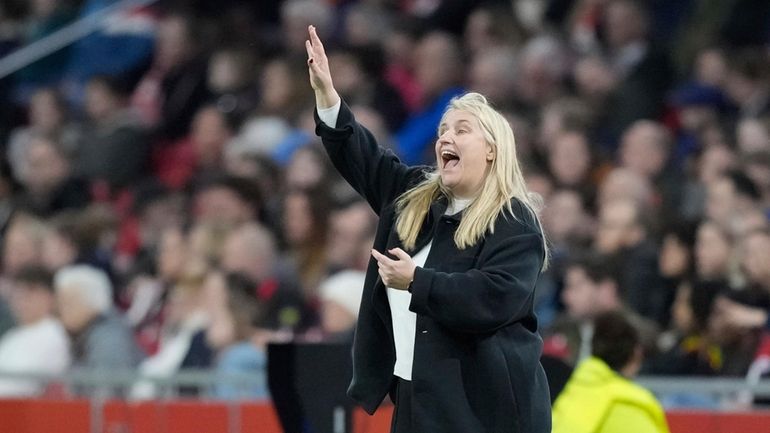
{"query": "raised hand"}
[(320, 75), (397, 274)]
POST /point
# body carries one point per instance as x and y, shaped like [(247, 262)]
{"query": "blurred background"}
[(165, 205)]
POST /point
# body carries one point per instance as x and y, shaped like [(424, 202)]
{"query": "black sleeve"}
[(498, 292), (376, 173)]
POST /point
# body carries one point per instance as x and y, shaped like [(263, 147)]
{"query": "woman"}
[(448, 327)]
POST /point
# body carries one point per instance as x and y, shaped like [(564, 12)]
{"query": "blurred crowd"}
[(165, 203)]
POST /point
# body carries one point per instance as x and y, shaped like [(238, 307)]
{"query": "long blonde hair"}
[(504, 181)]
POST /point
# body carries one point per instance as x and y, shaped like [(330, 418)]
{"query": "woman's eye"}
[(462, 131)]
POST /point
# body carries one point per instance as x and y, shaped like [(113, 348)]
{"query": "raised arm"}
[(376, 173)]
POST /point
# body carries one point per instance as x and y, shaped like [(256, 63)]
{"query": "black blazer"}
[(476, 362)]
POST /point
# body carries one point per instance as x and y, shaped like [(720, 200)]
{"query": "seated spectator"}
[(101, 340), (622, 184), (48, 116), (147, 294), (308, 168), (251, 250), (22, 243), (340, 299), (74, 237), (225, 201), (305, 221), (230, 81), (114, 148), (38, 344), (492, 73), (359, 80), (756, 266), (244, 350), (745, 84), (590, 289), (171, 91), (570, 162), (201, 151), (600, 397), (646, 148), (185, 319), (47, 180), (734, 326), (689, 349), (623, 235), (351, 234), (731, 198), (714, 256), (439, 73), (540, 73)]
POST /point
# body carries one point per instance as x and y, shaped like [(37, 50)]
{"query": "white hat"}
[(344, 288)]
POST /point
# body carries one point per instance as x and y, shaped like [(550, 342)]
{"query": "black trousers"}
[(402, 413)]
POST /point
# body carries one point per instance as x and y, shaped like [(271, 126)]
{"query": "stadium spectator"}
[(172, 90), (570, 162), (714, 259), (225, 201), (38, 344), (643, 69), (113, 150), (251, 250), (340, 296), (48, 116), (244, 350), (202, 151), (492, 72), (101, 340), (47, 180), (180, 344), (74, 238), (600, 397), (305, 229), (746, 84), (361, 82), (591, 289), (439, 73), (351, 231), (229, 80), (689, 349), (623, 236), (22, 243)]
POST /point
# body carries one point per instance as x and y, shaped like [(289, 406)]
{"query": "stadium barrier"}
[(58, 412)]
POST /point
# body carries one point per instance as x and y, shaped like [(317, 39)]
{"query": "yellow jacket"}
[(599, 400)]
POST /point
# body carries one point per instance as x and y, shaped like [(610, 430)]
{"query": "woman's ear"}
[(490, 153)]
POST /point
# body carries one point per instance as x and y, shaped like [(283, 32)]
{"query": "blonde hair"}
[(504, 181)]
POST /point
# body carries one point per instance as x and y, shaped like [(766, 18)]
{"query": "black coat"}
[(476, 358)]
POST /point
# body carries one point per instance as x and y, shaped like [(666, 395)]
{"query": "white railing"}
[(204, 379)]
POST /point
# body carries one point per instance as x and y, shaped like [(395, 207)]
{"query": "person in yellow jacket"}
[(599, 396)]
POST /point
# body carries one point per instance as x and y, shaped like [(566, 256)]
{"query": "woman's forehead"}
[(456, 116)]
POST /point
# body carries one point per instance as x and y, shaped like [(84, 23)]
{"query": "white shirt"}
[(404, 320), (42, 347)]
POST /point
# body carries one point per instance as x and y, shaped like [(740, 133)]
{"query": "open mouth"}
[(449, 158)]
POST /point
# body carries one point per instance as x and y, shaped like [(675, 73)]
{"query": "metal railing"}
[(63, 37), (205, 379)]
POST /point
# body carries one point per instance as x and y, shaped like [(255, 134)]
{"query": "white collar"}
[(457, 204)]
